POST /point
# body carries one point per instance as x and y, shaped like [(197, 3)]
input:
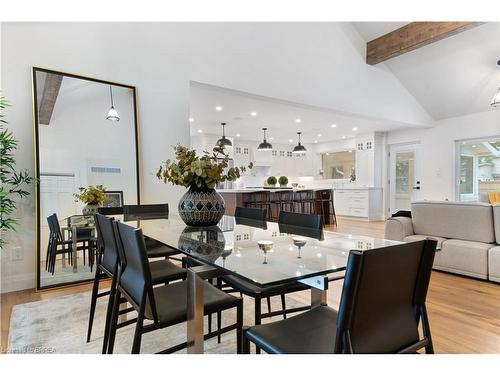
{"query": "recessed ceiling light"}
[(333, 125), (343, 137), (298, 120), (200, 131), (319, 135), (290, 140), (473, 146), (253, 114), (238, 134), (315, 141), (271, 138), (218, 108), (191, 119), (354, 129)]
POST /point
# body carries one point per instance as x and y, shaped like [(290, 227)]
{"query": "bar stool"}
[(284, 201), (258, 199), (304, 201), (325, 197)]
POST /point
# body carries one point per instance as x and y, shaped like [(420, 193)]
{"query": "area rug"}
[(59, 326)]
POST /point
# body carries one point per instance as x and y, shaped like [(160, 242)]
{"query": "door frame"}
[(393, 149)]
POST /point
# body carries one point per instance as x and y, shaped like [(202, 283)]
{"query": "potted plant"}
[(201, 205), (283, 180), (92, 196), (271, 181), (12, 181)]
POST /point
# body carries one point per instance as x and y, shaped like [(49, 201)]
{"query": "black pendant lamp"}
[(265, 145), (299, 149), (224, 141), (112, 113)]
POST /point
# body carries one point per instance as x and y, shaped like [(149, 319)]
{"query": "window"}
[(477, 168), (339, 165)]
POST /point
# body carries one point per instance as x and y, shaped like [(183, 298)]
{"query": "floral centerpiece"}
[(201, 205), (92, 196)]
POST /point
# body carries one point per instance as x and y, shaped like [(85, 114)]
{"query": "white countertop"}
[(252, 190)]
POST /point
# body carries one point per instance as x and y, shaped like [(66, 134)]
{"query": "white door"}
[(404, 180)]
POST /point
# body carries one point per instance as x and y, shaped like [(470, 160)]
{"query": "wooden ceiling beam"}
[(410, 37), (49, 97)]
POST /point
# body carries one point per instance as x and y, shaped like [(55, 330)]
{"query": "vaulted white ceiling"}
[(452, 77)]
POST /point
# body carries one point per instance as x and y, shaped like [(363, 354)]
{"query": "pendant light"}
[(112, 113), (265, 145), (224, 141), (495, 102), (299, 149)]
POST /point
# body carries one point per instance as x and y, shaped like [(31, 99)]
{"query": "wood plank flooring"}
[(464, 313)]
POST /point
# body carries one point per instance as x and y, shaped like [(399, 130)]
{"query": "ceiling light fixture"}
[(265, 145), (238, 134), (299, 149), (200, 131), (191, 119), (333, 126), (320, 135), (495, 102), (224, 141), (112, 113), (253, 114), (298, 120), (354, 129), (218, 108), (343, 137)]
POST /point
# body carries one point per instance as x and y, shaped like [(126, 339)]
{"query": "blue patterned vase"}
[(201, 207)]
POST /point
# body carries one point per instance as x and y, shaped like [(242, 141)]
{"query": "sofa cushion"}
[(420, 237), (465, 221), (496, 221), (494, 264), (464, 257)]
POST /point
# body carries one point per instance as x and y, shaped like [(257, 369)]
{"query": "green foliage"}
[(12, 181), (91, 194), (199, 171), (283, 180), (271, 180)]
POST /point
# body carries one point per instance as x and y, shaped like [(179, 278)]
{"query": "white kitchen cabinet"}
[(363, 203)]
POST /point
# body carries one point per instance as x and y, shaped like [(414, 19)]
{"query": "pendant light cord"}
[(111, 93)]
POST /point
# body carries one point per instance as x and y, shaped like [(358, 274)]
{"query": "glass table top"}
[(264, 253)]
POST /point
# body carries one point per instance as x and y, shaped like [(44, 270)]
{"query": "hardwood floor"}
[(464, 313)]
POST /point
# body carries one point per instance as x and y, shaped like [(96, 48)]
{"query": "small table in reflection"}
[(75, 222)]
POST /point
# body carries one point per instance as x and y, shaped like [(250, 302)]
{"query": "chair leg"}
[(136, 346), (219, 323), (113, 322), (109, 311), (93, 301), (268, 304), (283, 305), (239, 326), (426, 330), (258, 318), (245, 342)]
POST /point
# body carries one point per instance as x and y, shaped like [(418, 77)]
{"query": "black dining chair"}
[(162, 272), (110, 210), (237, 284), (259, 214), (57, 245), (151, 211), (382, 305), (165, 305)]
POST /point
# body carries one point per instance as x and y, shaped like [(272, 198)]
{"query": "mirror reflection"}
[(86, 158)]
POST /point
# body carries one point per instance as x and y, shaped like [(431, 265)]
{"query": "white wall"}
[(320, 64), (437, 149)]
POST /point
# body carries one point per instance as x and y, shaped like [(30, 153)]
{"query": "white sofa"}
[(467, 233)]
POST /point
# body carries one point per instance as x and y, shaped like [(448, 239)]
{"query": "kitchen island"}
[(234, 198)]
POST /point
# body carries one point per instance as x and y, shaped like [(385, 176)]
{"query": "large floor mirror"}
[(85, 135)]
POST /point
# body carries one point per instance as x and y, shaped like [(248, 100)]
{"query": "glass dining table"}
[(262, 253)]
